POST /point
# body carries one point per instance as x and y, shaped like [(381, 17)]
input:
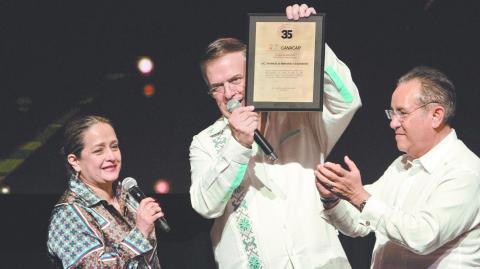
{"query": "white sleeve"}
[(214, 178), (347, 219), (340, 101), (451, 210)]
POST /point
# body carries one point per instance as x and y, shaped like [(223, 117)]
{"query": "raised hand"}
[(299, 11), (243, 123)]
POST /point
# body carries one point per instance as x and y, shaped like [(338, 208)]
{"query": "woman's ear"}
[(74, 162)]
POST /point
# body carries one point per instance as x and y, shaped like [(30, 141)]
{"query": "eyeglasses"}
[(401, 115), (217, 88)]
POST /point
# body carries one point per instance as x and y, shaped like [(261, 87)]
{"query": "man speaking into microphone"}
[(267, 213)]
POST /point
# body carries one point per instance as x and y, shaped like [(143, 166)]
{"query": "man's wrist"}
[(362, 205), (240, 142), (360, 200), (329, 202)]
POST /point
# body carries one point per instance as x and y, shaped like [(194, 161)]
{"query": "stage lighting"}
[(162, 186), (145, 65), (4, 189), (148, 90)]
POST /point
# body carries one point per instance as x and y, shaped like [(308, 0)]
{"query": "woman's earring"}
[(76, 174)]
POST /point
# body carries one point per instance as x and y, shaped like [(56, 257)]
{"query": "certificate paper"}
[(285, 63)]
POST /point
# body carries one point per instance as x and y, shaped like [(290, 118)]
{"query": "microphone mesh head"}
[(128, 183), (232, 104)]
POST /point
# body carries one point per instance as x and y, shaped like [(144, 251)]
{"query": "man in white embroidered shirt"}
[(424, 210), (267, 215)]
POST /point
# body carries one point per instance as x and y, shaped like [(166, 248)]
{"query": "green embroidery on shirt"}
[(342, 89), (236, 194), (219, 141), (254, 263), (238, 179), (244, 224), (248, 237)]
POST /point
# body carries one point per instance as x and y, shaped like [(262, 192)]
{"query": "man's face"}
[(413, 130), (226, 79)]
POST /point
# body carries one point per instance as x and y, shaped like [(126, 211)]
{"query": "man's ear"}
[(74, 162), (438, 116)]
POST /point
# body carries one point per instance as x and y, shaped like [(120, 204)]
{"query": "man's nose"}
[(230, 90), (394, 122)]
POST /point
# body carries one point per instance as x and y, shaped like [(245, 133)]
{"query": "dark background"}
[(61, 58)]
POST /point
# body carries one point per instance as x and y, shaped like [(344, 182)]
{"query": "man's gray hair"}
[(436, 88)]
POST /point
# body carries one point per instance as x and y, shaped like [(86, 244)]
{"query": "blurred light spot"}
[(114, 76), (148, 90), (5, 190), (162, 186), (145, 65), (24, 103)]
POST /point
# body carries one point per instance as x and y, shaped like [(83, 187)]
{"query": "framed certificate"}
[(285, 62)]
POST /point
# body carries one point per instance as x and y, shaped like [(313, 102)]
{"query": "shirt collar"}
[(218, 126), (434, 157), (86, 194)]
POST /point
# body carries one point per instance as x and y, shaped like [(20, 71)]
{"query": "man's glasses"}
[(402, 115), (218, 88)]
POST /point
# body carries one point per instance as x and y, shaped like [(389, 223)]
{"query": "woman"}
[(96, 224)]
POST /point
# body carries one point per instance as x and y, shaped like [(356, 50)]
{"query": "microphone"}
[(233, 104), (130, 185)]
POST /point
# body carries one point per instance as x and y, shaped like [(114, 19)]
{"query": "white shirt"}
[(425, 213), (269, 215)]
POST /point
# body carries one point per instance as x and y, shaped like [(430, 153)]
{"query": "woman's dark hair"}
[(73, 136)]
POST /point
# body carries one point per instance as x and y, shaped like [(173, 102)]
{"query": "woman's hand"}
[(147, 213)]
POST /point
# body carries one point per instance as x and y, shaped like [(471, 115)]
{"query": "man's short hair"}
[(219, 48), (436, 88)]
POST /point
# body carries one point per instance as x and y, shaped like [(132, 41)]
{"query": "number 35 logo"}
[(287, 34)]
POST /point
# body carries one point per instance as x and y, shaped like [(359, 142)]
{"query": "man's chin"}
[(401, 148)]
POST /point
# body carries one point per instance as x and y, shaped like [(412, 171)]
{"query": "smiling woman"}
[(95, 223), (99, 162)]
